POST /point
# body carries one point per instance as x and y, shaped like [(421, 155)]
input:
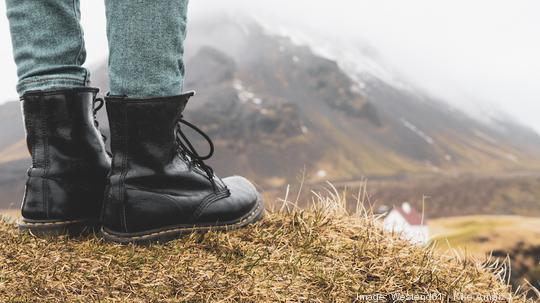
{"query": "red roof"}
[(412, 217)]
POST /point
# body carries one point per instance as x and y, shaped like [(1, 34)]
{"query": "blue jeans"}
[(145, 45)]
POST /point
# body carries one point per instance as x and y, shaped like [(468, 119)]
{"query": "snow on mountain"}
[(362, 62)]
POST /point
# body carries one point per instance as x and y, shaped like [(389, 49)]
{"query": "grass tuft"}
[(318, 254)]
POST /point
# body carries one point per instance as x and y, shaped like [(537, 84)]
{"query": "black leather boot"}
[(160, 188), (65, 186)]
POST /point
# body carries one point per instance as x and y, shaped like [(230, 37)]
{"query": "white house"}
[(407, 221)]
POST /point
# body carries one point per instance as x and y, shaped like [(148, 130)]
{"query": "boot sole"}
[(42, 228), (169, 234)]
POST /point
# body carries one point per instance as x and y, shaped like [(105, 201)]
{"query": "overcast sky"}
[(482, 51)]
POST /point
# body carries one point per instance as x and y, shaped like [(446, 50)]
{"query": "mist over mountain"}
[(354, 121), (276, 107)]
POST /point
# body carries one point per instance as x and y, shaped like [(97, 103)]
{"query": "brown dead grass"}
[(317, 255)]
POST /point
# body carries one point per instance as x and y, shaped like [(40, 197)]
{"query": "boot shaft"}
[(143, 129), (69, 161), (60, 132)]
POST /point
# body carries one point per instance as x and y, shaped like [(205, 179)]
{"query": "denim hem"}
[(50, 82), (147, 90)]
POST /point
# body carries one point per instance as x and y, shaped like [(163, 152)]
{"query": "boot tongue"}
[(185, 98)]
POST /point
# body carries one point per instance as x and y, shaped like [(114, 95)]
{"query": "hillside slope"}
[(503, 194), (317, 255)]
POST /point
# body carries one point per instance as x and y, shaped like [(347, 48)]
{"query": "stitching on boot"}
[(207, 201), (52, 223), (121, 185), (44, 136)]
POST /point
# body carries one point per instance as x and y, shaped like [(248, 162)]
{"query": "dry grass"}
[(317, 255)]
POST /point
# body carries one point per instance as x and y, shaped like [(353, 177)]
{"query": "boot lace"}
[(97, 105), (188, 151)]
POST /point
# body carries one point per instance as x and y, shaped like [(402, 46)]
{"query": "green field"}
[(479, 235)]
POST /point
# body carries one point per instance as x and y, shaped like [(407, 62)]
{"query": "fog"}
[(479, 54)]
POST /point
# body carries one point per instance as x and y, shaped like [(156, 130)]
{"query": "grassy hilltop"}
[(321, 254)]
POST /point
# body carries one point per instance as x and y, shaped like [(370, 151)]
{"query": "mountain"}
[(12, 132), (276, 108)]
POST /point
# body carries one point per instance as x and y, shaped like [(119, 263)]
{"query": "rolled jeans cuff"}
[(50, 82)]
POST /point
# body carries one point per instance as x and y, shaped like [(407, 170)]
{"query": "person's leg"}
[(146, 47), (65, 184), (159, 186), (47, 43)]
